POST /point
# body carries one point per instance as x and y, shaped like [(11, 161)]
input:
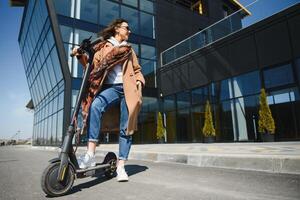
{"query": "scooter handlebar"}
[(85, 43)]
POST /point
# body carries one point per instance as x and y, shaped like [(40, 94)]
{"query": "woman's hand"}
[(139, 85), (75, 51)]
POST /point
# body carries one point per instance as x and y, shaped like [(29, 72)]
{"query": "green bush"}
[(266, 122), (208, 129)]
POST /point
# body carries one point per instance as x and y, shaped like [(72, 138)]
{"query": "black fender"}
[(55, 160)]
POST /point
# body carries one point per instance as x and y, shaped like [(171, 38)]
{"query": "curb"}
[(264, 163)]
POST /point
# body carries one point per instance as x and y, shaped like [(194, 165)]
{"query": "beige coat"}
[(133, 95)]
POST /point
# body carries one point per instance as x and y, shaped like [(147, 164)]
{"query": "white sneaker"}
[(121, 174), (86, 160)]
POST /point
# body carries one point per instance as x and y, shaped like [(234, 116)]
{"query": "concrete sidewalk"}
[(279, 157)]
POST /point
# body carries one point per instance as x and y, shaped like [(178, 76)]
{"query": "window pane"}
[(66, 33), (50, 39), (278, 76), (183, 99), (148, 52), (88, 10), (148, 66), (131, 15), (200, 95), (147, 25), (64, 7), (298, 68), (108, 12), (131, 2), (135, 48), (56, 64), (246, 84), (146, 6), (226, 91), (80, 35)]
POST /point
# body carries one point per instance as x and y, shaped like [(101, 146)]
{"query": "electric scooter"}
[(58, 177)]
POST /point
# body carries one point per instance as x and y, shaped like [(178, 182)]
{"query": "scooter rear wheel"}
[(111, 159), (51, 186)]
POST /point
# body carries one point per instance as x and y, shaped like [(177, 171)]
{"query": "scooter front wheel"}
[(53, 187)]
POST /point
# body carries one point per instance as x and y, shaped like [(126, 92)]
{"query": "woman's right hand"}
[(75, 52)]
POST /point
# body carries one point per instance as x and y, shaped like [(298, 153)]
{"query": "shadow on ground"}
[(131, 170)]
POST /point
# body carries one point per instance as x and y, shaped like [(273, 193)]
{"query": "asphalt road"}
[(21, 169)]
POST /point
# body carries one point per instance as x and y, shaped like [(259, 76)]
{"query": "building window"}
[(131, 15), (88, 10), (147, 25), (278, 76), (147, 6), (64, 7), (108, 12), (246, 84), (133, 3)]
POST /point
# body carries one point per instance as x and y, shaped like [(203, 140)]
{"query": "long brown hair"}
[(110, 29)]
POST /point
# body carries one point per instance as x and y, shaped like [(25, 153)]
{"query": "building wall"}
[(230, 73), (51, 28), (43, 73)]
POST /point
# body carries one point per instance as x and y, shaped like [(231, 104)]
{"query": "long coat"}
[(133, 95)]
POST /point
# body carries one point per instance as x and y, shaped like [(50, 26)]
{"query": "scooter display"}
[(58, 177)]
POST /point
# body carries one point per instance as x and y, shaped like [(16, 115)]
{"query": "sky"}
[(14, 90), (13, 84)]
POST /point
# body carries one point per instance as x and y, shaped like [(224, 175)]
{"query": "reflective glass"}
[(46, 79), (51, 71), (50, 137), (61, 100), (50, 39), (146, 6), (226, 90), (148, 52), (55, 100), (64, 7), (133, 3), (298, 68), (81, 35), (59, 126), (183, 99), (278, 76), (131, 15), (135, 48), (66, 33), (147, 25), (88, 10), (148, 66), (200, 95), (108, 12), (56, 64), (246, 84), (54, 120)]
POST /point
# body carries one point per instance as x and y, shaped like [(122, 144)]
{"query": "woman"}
[(116, 79)]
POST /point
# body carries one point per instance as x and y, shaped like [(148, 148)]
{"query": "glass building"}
[(229, 69), (51, 28)]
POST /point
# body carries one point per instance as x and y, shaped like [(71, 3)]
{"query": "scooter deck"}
[(98, 166)]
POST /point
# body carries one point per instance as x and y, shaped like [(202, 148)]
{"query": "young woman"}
[(116, 79)]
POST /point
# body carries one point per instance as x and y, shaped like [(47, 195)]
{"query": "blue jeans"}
[(110, 95)]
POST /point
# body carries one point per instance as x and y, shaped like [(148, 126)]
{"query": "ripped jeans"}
[(110, 95)]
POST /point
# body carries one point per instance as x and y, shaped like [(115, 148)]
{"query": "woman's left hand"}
[(139, 85)]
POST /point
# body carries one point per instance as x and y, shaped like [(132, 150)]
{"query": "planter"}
[(161, 141), (209, 139), (266, 137)]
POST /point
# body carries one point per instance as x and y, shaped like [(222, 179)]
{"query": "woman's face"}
[(123, 31)]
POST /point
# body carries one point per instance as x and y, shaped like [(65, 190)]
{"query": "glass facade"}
[(235, 106), (44, 74), (234, 101), (78, 20)]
